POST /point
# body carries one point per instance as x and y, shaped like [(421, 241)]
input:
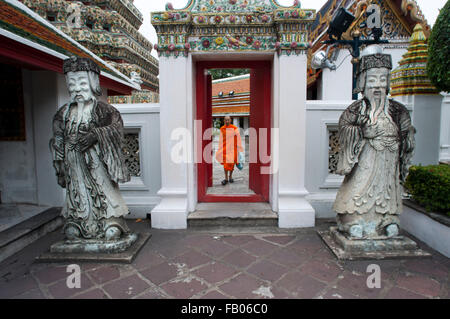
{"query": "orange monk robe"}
[(230, 145)]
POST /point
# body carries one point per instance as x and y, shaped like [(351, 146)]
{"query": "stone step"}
[(17, 237), (233, 214)]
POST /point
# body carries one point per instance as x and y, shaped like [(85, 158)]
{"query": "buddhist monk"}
[(230, 145)]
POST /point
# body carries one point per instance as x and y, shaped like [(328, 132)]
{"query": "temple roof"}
[(399, 16), (398, 20), (20, 26), (410, 78), (236, 103)]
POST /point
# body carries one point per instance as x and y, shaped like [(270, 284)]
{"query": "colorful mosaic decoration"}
[(410, 78), (108, 28), (144, 96), (232, 25)]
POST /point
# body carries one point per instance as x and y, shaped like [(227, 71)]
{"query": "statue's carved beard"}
[(376, 102)]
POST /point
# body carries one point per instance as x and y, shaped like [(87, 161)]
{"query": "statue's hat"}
[(372, 57), (76, 64)]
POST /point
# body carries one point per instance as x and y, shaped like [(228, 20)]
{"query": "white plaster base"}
[(141, 207), (171, 212), (434, 234), (295, 211), (323, 204)]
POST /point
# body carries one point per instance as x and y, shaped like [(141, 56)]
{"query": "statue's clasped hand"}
[(86, 141), (371, 131)]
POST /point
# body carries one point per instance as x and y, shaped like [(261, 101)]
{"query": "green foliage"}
[(430, 187), (227, 73), (438, 66)]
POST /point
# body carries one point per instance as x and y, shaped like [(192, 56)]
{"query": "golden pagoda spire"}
[(410, 77)]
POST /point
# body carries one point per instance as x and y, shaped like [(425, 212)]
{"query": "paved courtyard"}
[(240, 177), (226, 263)]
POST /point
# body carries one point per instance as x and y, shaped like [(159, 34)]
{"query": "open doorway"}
[(230, 96), (234, 96)]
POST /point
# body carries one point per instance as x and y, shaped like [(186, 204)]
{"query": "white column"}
[(175, 75), (236, 121), (293, 209), (445, 129)]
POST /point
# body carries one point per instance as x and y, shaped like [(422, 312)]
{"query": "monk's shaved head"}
[(227, 120)]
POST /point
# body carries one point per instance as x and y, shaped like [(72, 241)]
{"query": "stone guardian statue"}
[(376, 144), (87, 157)]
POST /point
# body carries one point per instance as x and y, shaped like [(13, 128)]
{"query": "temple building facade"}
[(108, 28), (231, 97)]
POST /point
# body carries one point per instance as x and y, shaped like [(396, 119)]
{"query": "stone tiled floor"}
[(240, 177), (224, 263)]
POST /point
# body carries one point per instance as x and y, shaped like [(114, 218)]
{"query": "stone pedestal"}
[(94, 245), (123, 250), (345, 248)]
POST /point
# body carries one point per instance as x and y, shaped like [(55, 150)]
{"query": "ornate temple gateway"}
[(269, 39), (109, 28)]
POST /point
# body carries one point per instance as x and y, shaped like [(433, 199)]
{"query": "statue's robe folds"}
[(373, 167), (230, 144), (93, 199)]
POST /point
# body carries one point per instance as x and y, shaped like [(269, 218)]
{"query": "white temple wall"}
[(444, 154), (426, 118), (140, 193), (337, 85)]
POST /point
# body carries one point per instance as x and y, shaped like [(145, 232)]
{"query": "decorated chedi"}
[(87, 156), (376, 140), (410, 77)]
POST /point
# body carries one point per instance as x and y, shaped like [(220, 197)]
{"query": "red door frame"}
[(204, 114)]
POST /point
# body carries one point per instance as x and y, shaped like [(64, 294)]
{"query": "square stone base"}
[(379, 248), (126, 256)]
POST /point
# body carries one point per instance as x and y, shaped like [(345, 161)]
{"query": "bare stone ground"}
[(226, 263)]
